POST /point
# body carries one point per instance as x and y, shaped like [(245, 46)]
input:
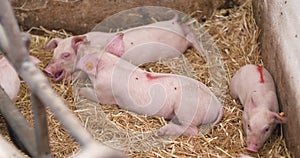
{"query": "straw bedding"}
[(235, 34)]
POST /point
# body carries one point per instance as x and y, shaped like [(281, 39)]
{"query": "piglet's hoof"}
[(245, 156), (172, 129)]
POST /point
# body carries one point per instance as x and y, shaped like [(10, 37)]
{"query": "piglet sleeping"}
[(116, 81), (255, 88), (138, 45)]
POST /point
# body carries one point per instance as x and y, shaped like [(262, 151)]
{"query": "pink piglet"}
[(254, 87)]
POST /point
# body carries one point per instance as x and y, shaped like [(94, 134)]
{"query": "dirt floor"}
[(234, 32), (79, 16)]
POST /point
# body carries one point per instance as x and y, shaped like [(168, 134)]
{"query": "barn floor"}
[(235, 34)]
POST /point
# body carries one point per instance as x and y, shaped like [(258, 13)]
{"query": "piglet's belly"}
[(150, 97), (148, 105)]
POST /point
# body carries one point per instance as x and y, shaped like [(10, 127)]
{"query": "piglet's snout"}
[(48, 70), (253, 147)]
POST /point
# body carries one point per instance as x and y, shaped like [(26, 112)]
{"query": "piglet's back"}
[(9, 79), (248, 78)]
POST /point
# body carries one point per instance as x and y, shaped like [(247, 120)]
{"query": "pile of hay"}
[(235, 34)]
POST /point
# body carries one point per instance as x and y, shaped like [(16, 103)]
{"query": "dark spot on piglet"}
[(137, 78), (175, 88)]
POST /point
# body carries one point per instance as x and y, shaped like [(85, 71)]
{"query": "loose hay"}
[(235, 34)]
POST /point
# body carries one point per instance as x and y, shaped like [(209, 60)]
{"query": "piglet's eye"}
[(65, 55)]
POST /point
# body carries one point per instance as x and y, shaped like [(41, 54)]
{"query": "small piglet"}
[(138, 45), (9, 79), (255, 88), (10, 82), (117, 81)]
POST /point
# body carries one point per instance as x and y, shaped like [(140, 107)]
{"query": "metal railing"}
[(36, 140)]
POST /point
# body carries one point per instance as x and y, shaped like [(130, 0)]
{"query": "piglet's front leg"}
[(88, 93)]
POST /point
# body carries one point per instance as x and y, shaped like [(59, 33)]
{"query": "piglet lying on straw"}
[(255, 88), (116, 81), (9, 79), (10, 82), (139, 45)]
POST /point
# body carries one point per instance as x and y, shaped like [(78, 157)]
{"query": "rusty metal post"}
[(17, 122), (16, 52), (41, 127)]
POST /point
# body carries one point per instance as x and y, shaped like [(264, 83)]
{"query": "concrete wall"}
[(280, 44)]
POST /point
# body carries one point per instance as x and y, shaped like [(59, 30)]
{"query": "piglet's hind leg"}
[(173, 129)]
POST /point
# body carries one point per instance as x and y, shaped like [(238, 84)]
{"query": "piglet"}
[(10, 82), (254, 87), (138, 45), (116, 81), (9, 79)]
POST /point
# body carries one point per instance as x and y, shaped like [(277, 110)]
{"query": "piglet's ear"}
[(252, 104), (34, 60), (52, 43), (254, 100), (278, 118), (116, 45), (76, 41)]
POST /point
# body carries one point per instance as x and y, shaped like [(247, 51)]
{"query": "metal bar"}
[(41, 128), (17, 122), (11, 43), (39, 84), (15, 51)]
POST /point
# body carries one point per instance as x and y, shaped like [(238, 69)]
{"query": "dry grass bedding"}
[(235, 34)]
